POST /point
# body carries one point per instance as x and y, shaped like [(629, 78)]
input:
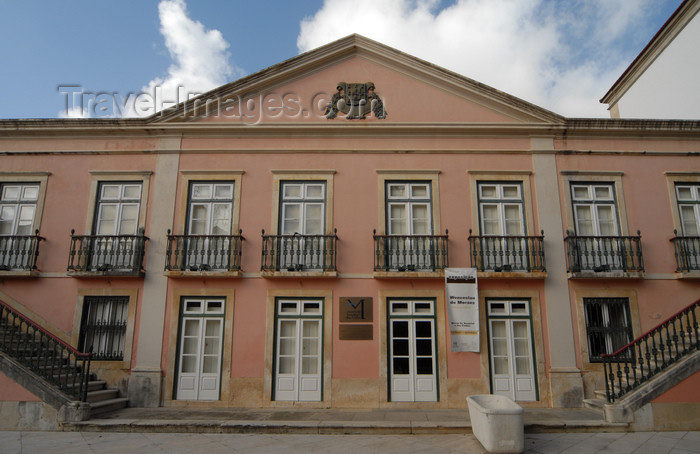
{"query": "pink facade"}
[(452, 157)]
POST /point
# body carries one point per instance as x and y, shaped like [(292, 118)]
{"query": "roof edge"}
[(663, 37)]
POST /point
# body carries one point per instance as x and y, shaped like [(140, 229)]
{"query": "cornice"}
[(125, 129)]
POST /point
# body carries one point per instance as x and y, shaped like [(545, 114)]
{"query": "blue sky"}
[(560, 54)]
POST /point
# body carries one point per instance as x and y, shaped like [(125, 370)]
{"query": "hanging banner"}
[(462, 308)]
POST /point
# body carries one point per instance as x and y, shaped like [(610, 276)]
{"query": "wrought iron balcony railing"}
[(604, 253), (19, 252), (204, 252), (299, 252), (117, 254), (410, 252), (651, 353), (43, 353), (687, 252), (507, 253)]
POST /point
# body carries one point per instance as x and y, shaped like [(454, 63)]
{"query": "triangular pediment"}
[(406, 89)]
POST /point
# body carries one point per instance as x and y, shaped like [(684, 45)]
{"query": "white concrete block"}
[(497, 422)]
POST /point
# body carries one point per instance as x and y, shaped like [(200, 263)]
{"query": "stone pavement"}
[(133, 443)]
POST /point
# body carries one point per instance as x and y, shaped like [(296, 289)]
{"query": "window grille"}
[(608, 325), (103, 328)]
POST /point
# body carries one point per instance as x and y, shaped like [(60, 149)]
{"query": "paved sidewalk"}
[(330, 421), (133, 443)]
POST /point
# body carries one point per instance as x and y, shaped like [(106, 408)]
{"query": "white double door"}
[(412, 352), (298, 347), (201, 335), (512, 365)]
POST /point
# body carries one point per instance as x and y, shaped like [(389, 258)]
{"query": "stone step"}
[(102, 394), (94, 385), (108, 405), (594, 404)]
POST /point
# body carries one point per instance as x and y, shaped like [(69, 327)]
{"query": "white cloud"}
[(74, 112), (556, 54), (200, 61)]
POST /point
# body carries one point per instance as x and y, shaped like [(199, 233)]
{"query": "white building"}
[(662, 82)]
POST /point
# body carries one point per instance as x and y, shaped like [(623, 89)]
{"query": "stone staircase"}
[(51, 369), (649, 366)]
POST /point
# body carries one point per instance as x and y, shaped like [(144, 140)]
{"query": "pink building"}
[(283, 241)]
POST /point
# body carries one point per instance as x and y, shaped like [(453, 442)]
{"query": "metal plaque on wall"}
[(356, 309), (355, 332)]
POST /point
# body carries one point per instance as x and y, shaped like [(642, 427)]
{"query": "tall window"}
[(208, 242), (408, 208), (501, 208), (17, 208), (608, 325), (118, 207), (688, 196), (594, 208), (301, 245), (210, 208), (302, 207), (18, 204), (103, 327)]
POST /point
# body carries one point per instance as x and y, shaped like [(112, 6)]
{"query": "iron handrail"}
[(410, 252), (299, 252), (44, 353), (507, 252), (14, 253), (604, 252), (686, 249), (107, 253), (638, 361), (204, 252)]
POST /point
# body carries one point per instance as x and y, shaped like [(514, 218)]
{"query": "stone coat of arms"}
[(355, 100)]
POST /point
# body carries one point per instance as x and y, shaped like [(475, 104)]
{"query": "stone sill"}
[(18, 273), (439, 274), (203, 274), (688, 275), (299, 274), (606, 275), (103, 274), (511, 274)]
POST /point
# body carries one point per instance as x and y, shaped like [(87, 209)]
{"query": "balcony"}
[(107, 255), (687, 252), (604, 256), (290, 255), (18, 254), (409, 255), (499, 256), (210, 255)]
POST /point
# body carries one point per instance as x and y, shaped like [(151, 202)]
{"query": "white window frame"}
[(120, 202), (304, 201), (692, 202), (99, 177), (501, 202), (593, 201), (210, 203), (302, 176), (409, 202), (19, 204), (29, 178), (577, 177)]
